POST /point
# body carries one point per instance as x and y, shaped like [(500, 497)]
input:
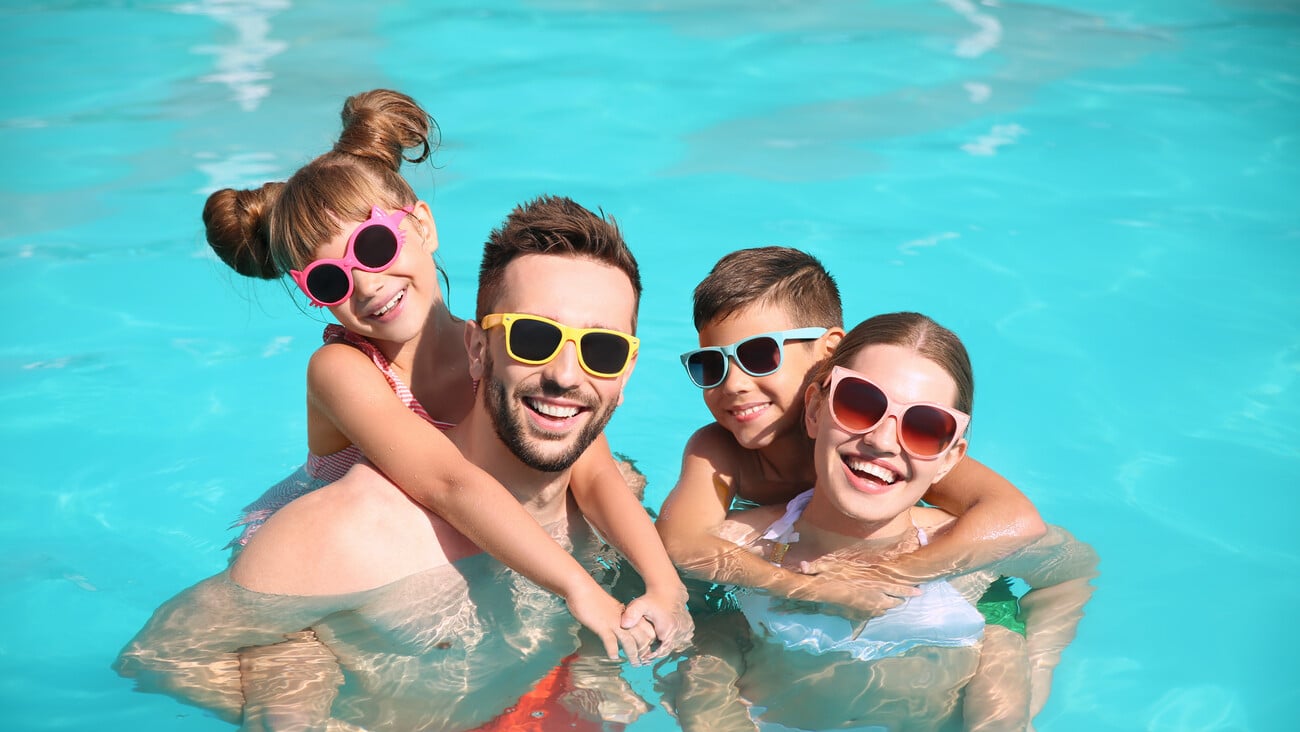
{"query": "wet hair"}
[(909, 330), (553, 225), (265, 232), (780, 276)]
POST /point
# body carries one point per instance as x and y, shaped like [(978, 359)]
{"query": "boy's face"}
[(758, 410)]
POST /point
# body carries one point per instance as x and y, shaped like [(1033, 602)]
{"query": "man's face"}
[(548, 414)]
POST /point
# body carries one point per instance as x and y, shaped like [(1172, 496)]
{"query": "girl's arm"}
[(607, 501), (1059, 569), (344, 386)]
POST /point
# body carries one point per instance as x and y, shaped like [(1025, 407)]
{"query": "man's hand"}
[(665, 610), (603, 615)]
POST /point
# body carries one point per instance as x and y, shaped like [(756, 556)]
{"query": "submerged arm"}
[(1060, 570), (189, 648), (344, 386)]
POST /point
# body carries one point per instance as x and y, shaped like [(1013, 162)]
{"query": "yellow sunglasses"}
[(535, 340)]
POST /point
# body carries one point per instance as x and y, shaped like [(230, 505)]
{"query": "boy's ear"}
[(830, 340), (812, 405)]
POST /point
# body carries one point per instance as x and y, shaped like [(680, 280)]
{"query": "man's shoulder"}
[(358, 533)]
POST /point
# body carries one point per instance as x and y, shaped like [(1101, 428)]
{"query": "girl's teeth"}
[(749, 410), (391, 304)]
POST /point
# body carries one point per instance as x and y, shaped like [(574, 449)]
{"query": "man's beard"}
[(512, 428)]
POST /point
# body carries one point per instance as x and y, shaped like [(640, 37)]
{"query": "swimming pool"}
[(1099, 197)]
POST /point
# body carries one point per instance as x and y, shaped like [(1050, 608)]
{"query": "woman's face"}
[(866, 483)]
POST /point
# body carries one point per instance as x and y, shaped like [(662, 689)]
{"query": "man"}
[(424, 628)]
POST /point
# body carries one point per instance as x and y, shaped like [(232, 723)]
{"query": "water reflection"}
[(241, 65)]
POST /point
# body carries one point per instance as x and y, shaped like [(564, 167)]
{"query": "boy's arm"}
[(607, 501), (1059, 569), (692, 517), (346, 388), (994, 520)]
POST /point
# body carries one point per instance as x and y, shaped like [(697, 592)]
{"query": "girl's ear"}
[(422, 218), (812, 405)]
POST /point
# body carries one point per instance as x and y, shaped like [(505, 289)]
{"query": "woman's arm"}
[(607, 501), (1060, 570), (345, 387)]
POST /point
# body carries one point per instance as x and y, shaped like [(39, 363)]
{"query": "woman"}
[(888, 412)]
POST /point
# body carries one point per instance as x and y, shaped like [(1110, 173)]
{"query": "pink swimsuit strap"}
[(339, 334)]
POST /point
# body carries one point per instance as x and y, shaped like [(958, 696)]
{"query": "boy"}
[(765, 317)]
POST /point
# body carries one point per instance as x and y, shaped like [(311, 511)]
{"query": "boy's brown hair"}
[(788, 278)]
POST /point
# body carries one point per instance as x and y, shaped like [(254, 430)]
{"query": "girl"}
[(887, 411), (354, 237)]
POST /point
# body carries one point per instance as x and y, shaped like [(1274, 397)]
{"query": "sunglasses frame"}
[(896, 409), (567, 333), (349, 261), (729, 352)]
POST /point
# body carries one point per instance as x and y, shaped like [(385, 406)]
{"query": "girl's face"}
[(391, 305), (866, 483), (760, 409)]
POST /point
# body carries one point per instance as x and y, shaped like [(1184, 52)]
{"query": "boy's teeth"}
[(551, 410), (391, 304), (885, 475)]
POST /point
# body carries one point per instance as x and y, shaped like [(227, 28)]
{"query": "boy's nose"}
[(736, 379)]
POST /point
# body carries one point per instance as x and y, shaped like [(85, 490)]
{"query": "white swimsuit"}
[(939, 616)]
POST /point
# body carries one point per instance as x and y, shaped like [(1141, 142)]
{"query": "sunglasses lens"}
[(706, 368), (605, 353), (328, 283), (858, 406), (926, 431), (533, 340), (375, 246), (759, 356)]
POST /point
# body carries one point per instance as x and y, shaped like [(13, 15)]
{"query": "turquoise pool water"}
[(1099, 196)]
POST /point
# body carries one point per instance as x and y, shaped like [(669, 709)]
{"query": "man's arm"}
[(189, 648), (607, 501)]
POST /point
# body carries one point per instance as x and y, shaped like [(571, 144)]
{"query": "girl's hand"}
[(602, 615), (665, 610)]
